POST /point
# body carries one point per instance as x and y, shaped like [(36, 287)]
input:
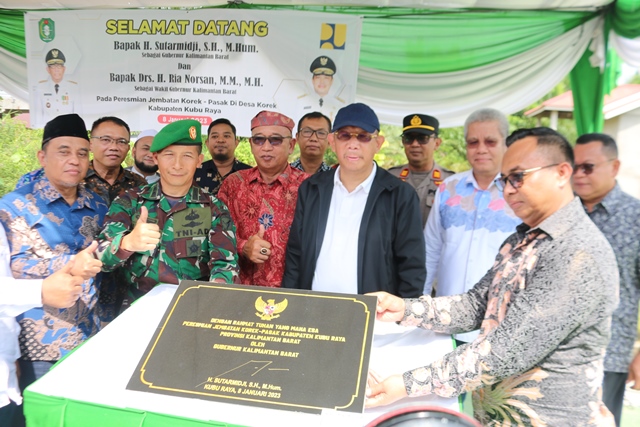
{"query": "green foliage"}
[(18, 152)]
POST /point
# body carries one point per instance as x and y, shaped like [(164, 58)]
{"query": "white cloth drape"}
[(627, 49), (509, 85)]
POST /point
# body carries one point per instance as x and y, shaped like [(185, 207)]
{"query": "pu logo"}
[(333, 36)]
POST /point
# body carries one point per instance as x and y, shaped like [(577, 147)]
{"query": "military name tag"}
[(277, 348)]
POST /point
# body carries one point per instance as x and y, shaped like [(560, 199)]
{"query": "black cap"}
[(65, 125), (323, 65), (55, 56), (358, 115), (420, 123)]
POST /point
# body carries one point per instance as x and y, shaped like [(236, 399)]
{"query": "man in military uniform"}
[(57, 96), (322, 71), (420, 140), (170, 230)]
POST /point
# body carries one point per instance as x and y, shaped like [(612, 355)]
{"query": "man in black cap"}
[(56, 95), (420, 140), (46, 222), (322, 71), (356, 228)]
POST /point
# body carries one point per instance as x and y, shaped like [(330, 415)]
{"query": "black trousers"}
[(613, 393)]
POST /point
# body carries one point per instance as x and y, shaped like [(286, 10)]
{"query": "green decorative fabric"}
[(47, 411), (625, 18), (12, 31)]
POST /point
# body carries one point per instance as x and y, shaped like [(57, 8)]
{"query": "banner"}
[(152, 67)]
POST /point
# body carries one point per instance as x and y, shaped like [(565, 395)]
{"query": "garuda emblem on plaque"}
[(270, 310)]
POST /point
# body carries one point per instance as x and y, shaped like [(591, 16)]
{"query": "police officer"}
[(322, 71), (420, 141), (56, 95), (170, 230)]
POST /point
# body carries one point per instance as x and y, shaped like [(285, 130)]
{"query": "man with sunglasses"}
[(262, 200), (617, 215), (313, 130), (110, 145), (356, 228), (544, 307), (470, 219), (420, 141)]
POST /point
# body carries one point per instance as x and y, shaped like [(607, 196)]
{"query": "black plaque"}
[(276, 348)]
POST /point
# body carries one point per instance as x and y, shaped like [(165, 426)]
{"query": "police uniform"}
[(310, 101), (427, 185), (198, 235), (56, 98)]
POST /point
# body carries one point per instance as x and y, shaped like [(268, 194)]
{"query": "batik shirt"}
[(43, 232), (544, 309), (126, 180), (297, 164), (464, 231), (252, 202), (198, 239), (618, 217), (30, 177), (209, 179)]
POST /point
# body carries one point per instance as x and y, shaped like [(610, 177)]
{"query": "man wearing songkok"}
[(47, 222), (221, 143), (470, 218), (110, 145), (143, 163), (356, 228), (420, 140), (170, 230), (544, 308), (60, 290), (617, 215), (262, 200)]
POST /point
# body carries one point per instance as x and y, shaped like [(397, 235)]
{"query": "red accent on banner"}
[(165, 119)]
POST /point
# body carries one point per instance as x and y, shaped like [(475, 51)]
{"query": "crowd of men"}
[(531, 258)]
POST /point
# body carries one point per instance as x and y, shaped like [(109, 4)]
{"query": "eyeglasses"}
[(422, 139), (308, 133), (490, 143), (587, 168), (516, 179), (345, 136), (107, 140), (274, 140)]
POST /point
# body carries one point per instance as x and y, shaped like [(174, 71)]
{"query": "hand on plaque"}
[(380, 393), (390, 308)]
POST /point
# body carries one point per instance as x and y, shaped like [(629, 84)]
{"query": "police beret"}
[(181, 132), (420, 123), (323, 65), (55, 56), (64, 125)]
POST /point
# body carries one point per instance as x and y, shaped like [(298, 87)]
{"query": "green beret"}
[(181, 132)]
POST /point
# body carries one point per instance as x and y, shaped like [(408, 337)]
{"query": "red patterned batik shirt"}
[(252, 203)]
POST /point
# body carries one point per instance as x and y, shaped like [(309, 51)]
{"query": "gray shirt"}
[(618, 218), (544, 310)]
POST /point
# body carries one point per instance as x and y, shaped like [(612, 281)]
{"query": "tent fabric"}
[(429, 55), (444, 4)]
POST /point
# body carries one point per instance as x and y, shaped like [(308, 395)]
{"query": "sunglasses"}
[(488, 142), (345, 136), (516, 179), (408, 138), (587, 168), (274, 140)]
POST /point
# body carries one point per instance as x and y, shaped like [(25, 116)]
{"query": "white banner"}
[(151, 67)]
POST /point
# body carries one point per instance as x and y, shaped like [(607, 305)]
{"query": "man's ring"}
[(263, 251)]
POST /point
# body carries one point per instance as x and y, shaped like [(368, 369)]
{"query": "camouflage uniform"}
[(198, 239)]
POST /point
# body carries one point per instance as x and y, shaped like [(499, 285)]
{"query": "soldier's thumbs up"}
[(144, 237)]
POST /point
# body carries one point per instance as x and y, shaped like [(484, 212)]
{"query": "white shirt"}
[(464, 231), (337, 264), (16, 297), (150, 179)]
